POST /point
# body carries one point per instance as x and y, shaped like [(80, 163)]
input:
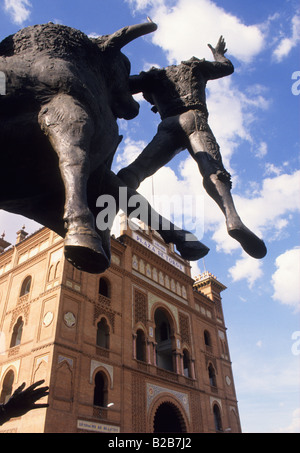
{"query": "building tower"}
[(139, 348)]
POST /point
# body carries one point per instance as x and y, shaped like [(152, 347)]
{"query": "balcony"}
[(103, 352), (167, 374), (103, 300), (100, 412)]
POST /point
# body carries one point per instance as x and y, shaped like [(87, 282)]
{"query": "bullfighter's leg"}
[(187, 244), (69, 129), (216, 181), (163, 147), (170, 139)]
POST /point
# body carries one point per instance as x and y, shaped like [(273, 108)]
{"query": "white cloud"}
[(175, 201), (19, 10), (129, 152), (148, 65), (195, 269), (262, 212), (294, 426), (262, 150), (287, 44), (185, 29), (271, 169), (258, 212), (93, 35), (139, 98), (226, 100), (246, 268), (285, 279), (142, 4)]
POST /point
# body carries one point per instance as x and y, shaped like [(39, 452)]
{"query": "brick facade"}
[(123, 351)]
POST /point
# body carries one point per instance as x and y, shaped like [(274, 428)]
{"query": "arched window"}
[(51, 273), (186, 363), (207, 339), (25, 288), (140, 345), (7, 387), (217, 418), (103, 334), (57, 269), (212, 376), (17, 333), (164, 353), (104, 287), (100, 390)]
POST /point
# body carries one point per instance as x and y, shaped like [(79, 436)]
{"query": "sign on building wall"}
[(97, 427), (158, 249)]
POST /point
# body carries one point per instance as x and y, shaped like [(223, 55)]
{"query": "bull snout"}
[(133, 112), (126, 108)]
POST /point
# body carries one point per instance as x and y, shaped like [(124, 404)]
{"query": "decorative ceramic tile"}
[(154, 390)]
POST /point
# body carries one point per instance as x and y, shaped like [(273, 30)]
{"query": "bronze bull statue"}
[(58, 133)]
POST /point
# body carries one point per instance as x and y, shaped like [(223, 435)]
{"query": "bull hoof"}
[(251, 244), (83, 249), (187, 244)]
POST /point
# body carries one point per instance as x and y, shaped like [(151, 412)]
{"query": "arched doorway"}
[(168, 419)]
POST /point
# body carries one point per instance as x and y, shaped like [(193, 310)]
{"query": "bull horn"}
[(127, 34)]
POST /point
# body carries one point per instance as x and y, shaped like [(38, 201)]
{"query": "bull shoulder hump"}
[(45, 37)]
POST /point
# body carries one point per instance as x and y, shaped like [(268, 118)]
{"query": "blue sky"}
[(254, 115)]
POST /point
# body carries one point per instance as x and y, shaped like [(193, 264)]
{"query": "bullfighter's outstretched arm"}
[(222, 66)]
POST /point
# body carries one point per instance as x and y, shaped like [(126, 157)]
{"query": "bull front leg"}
[(70, 129)]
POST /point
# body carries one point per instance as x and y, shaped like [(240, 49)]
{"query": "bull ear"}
[(125, 35)]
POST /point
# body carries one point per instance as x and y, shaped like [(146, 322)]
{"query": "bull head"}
[(122, 103)]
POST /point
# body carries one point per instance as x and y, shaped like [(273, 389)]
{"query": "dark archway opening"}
[(100, 390), (168, 419), (104, 287), (163, 338)]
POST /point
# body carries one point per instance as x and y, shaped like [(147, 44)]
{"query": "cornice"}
[(22, 356)]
